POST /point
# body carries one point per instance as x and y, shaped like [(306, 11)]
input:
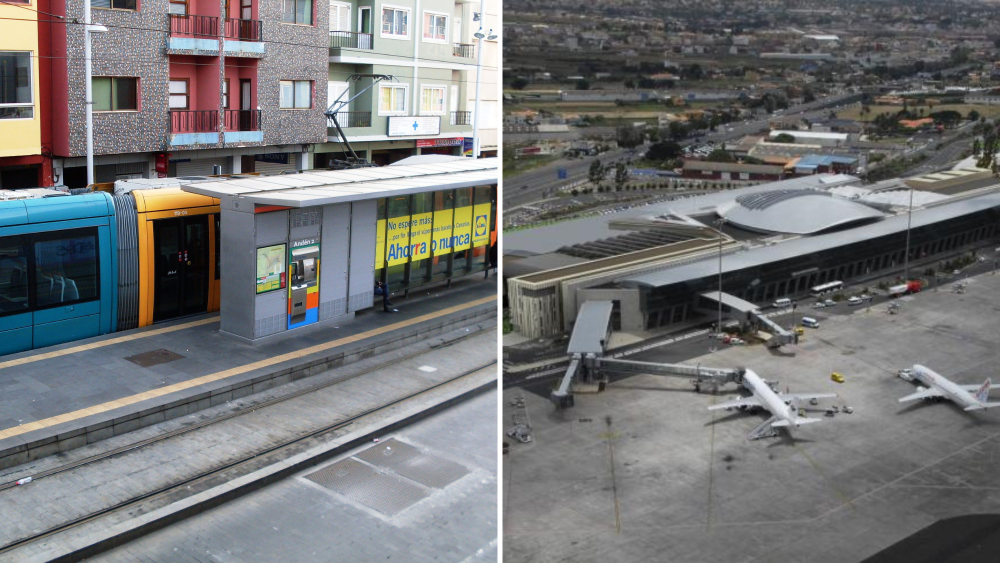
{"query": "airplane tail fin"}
[(983, 394)]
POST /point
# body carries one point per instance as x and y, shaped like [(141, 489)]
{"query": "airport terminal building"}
[(775, 240)]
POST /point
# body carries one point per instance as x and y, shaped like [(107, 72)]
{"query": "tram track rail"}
[(244, 459)]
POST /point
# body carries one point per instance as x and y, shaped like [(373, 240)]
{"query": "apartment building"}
[(23, 162), (408, 69), (188, 87)]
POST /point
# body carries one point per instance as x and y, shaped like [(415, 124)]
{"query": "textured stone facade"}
[(121, 52), (136, 45), (294, 52)]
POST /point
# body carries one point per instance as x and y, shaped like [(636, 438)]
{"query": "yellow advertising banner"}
[(481, 225), (398, 238), (441, 245), (462, 235), (379, 244), (420, 236)]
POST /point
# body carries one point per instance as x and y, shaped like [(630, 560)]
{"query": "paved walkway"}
[(64, 394), (302, 521)]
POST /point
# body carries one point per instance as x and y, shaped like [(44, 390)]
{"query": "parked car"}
[(836, 377), (854, 300), (819, 305), (829, 303)]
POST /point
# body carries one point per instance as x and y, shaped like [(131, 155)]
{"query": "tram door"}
[(181, 270)]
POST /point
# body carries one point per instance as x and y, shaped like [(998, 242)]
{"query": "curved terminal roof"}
[(795, 211)]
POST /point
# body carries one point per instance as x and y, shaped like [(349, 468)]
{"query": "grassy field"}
[(964, 109), (514, 166)]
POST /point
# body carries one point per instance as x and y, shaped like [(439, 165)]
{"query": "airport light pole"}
[(718, 327), (906, 255)]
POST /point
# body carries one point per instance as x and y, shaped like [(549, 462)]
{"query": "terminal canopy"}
[(323, 187)]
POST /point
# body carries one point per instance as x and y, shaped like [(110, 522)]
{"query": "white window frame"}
[(349, 18), (409, 21), (31, 80), (444, 99), (447, 27), (406, 99)]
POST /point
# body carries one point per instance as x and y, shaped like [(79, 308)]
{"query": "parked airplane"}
[(783, 407), (969, 397)]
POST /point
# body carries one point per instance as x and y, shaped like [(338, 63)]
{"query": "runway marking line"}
[(154, 393)]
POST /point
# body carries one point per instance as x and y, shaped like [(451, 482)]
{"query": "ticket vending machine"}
[(303, 287)]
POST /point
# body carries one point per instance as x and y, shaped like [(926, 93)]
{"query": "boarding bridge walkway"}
[(750, 313), (705, 378)]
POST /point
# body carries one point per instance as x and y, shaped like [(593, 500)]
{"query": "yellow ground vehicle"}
[(836, 377)]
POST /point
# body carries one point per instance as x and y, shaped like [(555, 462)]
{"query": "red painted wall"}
[(236, 69), (203, 80), (58, 98)]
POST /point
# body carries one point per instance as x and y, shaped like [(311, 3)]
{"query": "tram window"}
[(463, 197), (381, 208), (65, 267), (399, 206), (13, 275)]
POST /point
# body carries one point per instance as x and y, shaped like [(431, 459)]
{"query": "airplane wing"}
[(806, 396), (799, 421), (983, 406), (742, 402), (922, 394), (972, 388)]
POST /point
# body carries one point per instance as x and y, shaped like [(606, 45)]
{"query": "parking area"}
[(644, 472)]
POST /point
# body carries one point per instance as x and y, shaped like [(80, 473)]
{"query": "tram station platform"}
[(63, 397)]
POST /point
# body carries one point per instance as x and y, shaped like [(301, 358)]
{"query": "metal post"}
[(719, 326), (479, 79), (89, 91), (906, 256)]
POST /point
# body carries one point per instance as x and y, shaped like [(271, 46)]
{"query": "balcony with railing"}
[(461, 118), (242, 126), (464, 50), (354, 119), (194, 33), (244, 30), (351, 40), (194, 127)]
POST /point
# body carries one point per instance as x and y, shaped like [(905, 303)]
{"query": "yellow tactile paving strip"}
[(108, 342), (152, 394)]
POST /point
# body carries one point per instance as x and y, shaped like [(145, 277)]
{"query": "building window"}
[(296, 94), (395, 22), (180, 94), (435, 27), (115, 4), (177, 7), (392, 99), (225, 93), (116, 93), (340, 17), (297, 11), (15, 85), (432, 100)]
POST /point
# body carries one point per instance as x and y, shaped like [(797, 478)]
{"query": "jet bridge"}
[(748, 313), (705, 379), (586, 346)]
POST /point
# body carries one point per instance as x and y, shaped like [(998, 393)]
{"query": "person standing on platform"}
[(381, 289)]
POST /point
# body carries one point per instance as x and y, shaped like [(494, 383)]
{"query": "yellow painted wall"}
[(19, 137)]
